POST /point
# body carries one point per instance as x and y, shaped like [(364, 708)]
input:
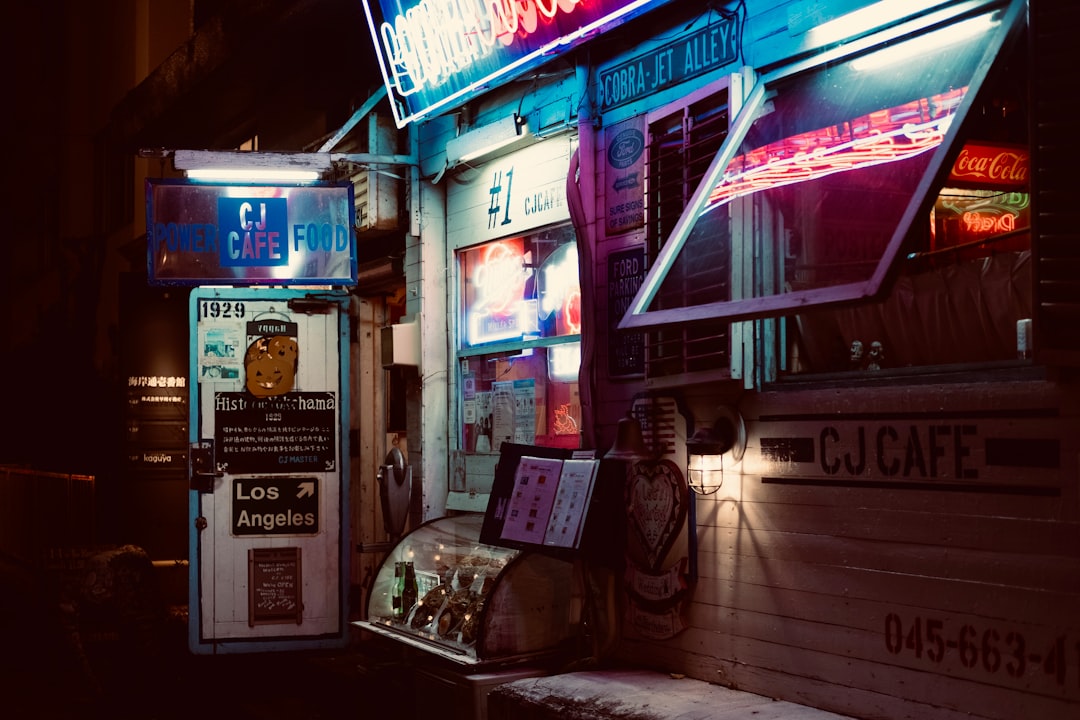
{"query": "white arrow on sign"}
[(306, 488)]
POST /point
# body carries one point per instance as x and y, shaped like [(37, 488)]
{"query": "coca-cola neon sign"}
[(435, 54), (982, 164)]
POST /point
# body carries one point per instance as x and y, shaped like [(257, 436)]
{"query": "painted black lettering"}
[(914, 453), (887, 466), (860, 466), (936, 449), (829, 433)]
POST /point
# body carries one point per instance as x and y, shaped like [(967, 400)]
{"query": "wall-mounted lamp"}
[(253, 167), (486, 140), (705, 451)]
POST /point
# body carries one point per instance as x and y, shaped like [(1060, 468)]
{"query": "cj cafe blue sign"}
[(249, 234), (694, 54)]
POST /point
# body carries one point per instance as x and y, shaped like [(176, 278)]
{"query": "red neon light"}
[(882, 136), (499, 278), (988, 224), (991, 165), (521, 17), (571, 311), (564, 424)]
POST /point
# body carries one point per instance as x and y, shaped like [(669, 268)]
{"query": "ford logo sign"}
[(625, 148)]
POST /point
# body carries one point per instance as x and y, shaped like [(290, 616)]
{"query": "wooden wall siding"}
[(894, 602), (946, 591), (371, 444)]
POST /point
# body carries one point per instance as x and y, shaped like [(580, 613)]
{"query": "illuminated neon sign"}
[(435, 54), (564, 362), (506, 297), (883, 136), (963, 219), (982, 165), (499, 309)]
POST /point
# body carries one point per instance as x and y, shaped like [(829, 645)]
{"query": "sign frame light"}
[(252, 167)]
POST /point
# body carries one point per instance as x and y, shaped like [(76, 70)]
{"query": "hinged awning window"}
[(826, 168)]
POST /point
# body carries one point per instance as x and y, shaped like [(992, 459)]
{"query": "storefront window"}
[(825, 174), (520, 352)]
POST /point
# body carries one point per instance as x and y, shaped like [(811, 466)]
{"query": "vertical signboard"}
[(624, 177), (625, 273), (269, 369)]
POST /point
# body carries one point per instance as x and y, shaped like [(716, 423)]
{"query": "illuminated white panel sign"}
[(436, 54), (249, 234)]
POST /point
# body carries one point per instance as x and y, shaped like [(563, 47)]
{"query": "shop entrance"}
[(267, 469)]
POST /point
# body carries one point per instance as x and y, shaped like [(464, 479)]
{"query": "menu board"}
[(274, 582), (540, 498), (535, 485)]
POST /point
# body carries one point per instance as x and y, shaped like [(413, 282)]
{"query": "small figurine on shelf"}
[(875, 358), (856, 358)]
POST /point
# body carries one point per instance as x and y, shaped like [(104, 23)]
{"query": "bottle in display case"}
[(396, 592), (472, 602), (409, 589)]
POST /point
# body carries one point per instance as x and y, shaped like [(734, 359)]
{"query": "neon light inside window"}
[(521, 288)]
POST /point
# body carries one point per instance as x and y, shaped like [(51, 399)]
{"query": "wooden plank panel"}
[(961, 647), (864, 704), (1059, 573), (869, 690), (885, 525), (947, 595)]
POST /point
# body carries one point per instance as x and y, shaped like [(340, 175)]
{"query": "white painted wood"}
[(223, 565), (894, 601), (510, 195)]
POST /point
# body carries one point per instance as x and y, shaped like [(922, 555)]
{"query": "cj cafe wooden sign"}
[(249, 234), (929, 450)]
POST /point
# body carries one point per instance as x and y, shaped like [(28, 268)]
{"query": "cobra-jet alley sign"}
[(249, 234), (436, 54)]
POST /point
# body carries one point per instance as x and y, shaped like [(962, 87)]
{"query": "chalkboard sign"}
[(274, 582), (294, 432)]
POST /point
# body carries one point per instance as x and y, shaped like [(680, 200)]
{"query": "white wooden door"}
[(267, 538)]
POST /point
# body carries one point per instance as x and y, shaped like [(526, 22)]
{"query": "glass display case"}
[(444, 591)]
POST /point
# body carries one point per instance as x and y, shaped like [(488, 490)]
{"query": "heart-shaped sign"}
[(656, 507)]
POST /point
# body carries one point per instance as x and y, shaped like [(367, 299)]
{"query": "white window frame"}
[(639, 317)]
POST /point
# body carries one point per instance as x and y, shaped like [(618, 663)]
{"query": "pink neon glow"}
[(521, 17), (882, 136), (564, 421), (572, 312), (500, 278)]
